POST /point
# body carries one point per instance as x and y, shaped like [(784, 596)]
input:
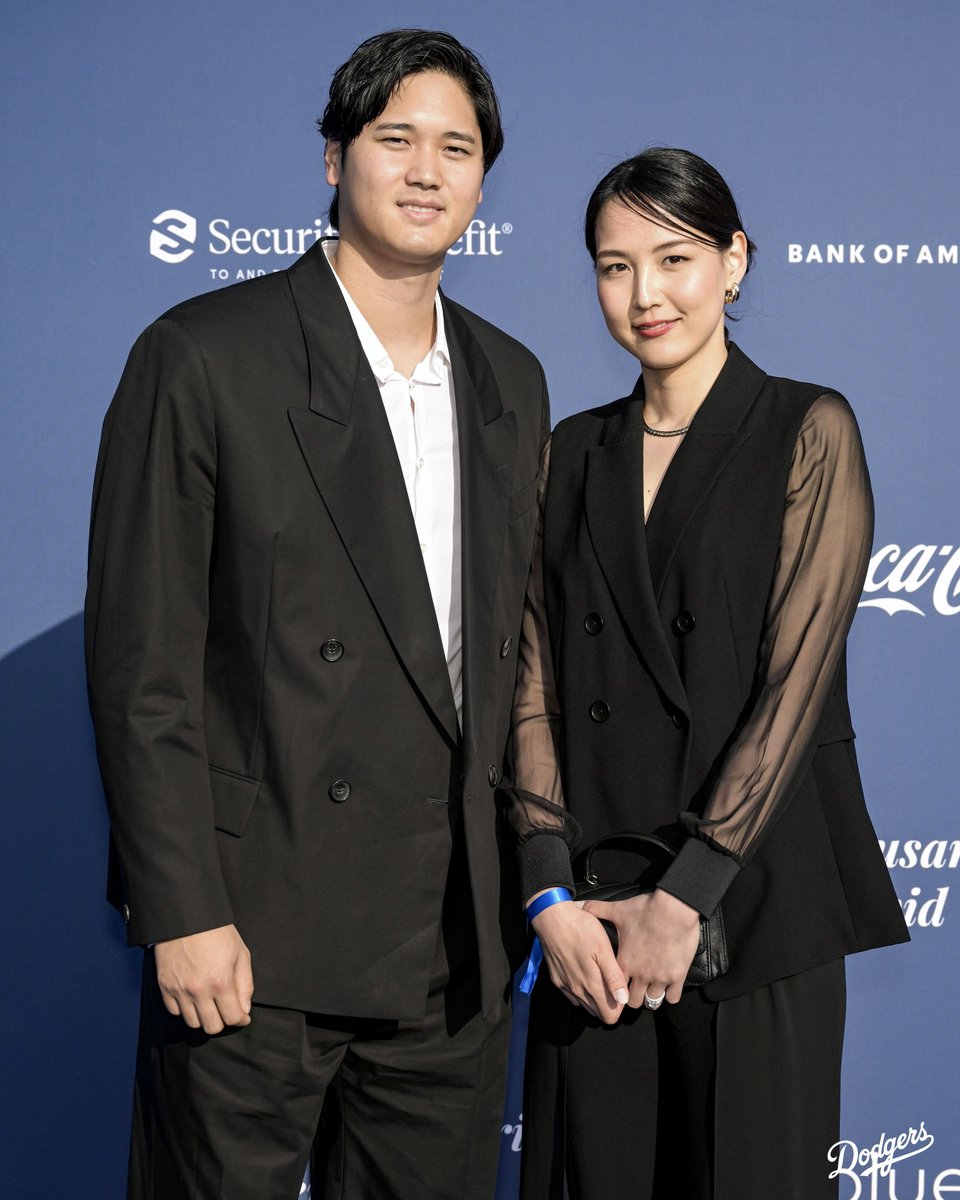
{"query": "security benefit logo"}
[(173, 235), (231, 251), (923, 580), (889, 1170)]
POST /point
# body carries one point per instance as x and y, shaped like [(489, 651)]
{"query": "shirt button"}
[(599, 711), (493, 775), (125, 913), (593, 623), (505, 647), (339, 791), (332, 650), (684, 622)]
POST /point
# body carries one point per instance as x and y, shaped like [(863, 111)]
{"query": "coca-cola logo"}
[(929, 575)]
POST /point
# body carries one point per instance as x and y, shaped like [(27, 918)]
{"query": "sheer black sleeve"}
[(824, 551), (533, 793)]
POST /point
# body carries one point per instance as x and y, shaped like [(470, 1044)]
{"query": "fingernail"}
[(579, 903), (621, 995)]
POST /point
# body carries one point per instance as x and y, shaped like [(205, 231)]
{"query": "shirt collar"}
[(431, 367)]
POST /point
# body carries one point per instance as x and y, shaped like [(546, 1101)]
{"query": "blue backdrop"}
[(145, 147)]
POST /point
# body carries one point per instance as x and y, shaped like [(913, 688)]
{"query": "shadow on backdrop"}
[(68, 1003)]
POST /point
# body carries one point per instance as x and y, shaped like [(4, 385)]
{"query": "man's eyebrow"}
[(407, 127)]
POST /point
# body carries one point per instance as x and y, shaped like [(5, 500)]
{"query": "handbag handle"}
[(647, 839)]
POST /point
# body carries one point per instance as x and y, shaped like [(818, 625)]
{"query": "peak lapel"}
[(488, 445), (346, 441), (613, 499), (700, 459)]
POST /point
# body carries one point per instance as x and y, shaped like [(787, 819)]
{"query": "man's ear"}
[(331, 161)]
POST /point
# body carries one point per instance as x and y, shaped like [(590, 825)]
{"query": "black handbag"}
[(710, 960)]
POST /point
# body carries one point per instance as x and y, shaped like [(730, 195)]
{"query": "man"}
[(312, 524)]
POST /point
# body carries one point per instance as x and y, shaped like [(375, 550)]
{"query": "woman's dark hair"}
[(361, 87), (674, 188)]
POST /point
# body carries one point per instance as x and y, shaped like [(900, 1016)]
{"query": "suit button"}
[(683, 622), (679, 718), (493, 775), (332, 650), (505, 647), (339, 791), (125, 913), (599, 710), (593, 623)]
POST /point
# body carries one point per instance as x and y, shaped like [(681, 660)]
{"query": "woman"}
[(703, 546)]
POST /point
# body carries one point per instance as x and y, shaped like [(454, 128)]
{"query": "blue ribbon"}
[(556, 895)]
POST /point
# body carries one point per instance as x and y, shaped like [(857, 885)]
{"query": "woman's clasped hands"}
[(658, 936)]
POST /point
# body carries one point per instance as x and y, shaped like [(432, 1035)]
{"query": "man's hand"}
[(658, 939), (580, 958), (206, 978)]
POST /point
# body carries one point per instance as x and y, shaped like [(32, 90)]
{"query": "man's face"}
[(411, 181)]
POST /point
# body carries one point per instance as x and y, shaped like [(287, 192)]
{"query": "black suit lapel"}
[(346, 440), (634, 556), (613, 500), (700, 459), (488, 444)]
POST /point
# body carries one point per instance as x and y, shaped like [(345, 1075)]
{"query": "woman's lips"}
[(655, 329)]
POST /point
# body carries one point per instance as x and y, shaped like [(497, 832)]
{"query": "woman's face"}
[(661, 291)]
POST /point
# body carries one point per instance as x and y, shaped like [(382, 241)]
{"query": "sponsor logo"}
[(173, 235), (174, 238), (930, 575), (515, 1134), (884, 253), (926, 911), (871, 1172)]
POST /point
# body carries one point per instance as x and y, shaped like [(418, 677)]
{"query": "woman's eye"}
[(675, 259), (615, 268)]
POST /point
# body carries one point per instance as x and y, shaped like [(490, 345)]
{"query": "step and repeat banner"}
[(157, 151)]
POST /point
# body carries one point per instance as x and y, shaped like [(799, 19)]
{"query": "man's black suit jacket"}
[(275, 723)]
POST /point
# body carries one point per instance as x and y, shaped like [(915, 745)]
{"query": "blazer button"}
[(599, 711), (332, 650), (680, 718), (593, 623), (339, 791), (125, 913), (505, 647), (493, 775), (684, 622)]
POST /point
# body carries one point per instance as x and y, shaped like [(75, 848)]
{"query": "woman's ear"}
[(736, 256)]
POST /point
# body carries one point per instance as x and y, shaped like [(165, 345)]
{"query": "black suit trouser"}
[(398, 1108), (735, 1100)]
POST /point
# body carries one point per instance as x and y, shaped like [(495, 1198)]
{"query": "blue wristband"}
[(556, 895)]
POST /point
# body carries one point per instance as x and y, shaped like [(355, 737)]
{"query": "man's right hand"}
[(206, 978), (581, 961)]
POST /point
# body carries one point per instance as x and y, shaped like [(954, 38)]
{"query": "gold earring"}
[(732, 294)]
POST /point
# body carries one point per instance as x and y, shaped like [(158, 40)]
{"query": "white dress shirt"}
[(423, 420)]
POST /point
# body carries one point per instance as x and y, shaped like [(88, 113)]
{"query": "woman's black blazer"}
[(657, 636)]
